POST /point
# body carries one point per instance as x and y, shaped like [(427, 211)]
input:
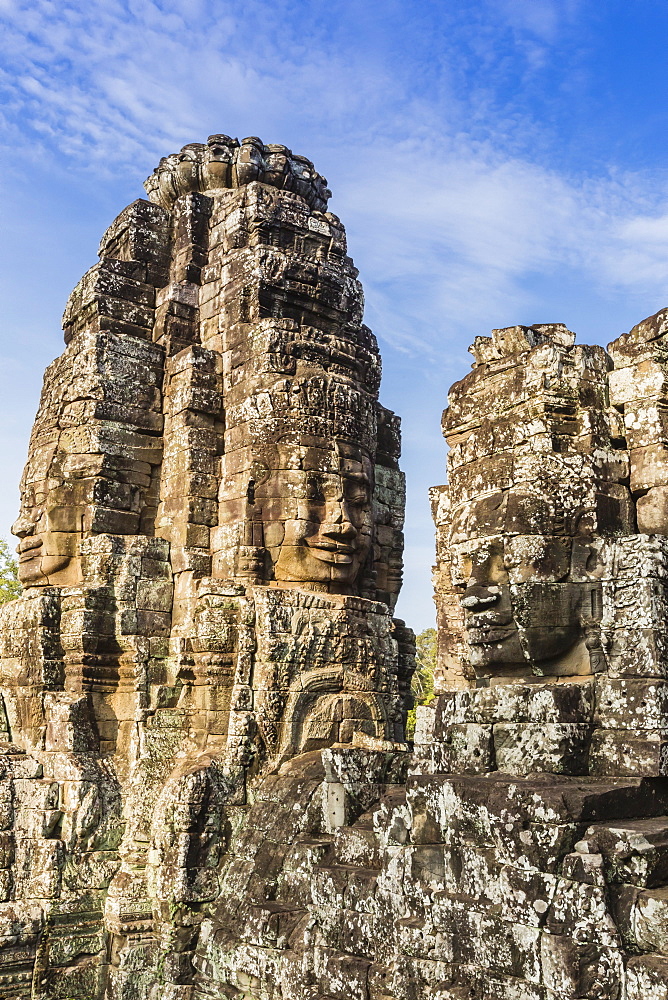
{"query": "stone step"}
[(342, 975), (348, 871), (309, 851), (391, 817), (356, 932), (392, 799), (634, 851), (365, 821), (344, 887)]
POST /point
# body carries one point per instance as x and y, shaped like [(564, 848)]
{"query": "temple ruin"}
[(206, 788)]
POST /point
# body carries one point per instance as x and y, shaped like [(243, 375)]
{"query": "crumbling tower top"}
[(223, 162)]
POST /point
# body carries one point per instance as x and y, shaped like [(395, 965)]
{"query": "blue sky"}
[(496, 162)]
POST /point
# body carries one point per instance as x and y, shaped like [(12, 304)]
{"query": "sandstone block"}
[(628, 752), (524, 748)]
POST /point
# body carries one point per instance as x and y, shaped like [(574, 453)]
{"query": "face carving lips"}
[(27, 548), (339, 553), (475, 600), (490, 626)]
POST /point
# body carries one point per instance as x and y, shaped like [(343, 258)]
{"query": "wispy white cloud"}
[(115, 83), (453, 237), (543, 19)]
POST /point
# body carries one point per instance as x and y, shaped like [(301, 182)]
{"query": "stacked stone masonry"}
[(205, 789)]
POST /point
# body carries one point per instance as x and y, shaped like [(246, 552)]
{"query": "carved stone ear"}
[(368, 578), (591, 606), (252, 556), (70, 723)]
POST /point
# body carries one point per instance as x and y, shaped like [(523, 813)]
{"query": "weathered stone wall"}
[(393, 886)]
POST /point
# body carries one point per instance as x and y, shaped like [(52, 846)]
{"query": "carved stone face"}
[(321, 532), (49, 543), (512, 568)]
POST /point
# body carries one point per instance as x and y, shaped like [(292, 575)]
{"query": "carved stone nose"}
[(22, 527), (342, 528)]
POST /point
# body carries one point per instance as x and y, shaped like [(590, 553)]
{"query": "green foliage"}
[(423, 679), (9, 574)]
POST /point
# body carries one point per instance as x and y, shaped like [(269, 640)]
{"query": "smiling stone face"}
[(327, 538), (512, 571), (48, 548), (537, 481), (54, 504)]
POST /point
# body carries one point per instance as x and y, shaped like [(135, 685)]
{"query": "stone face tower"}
[(537, 493), (210, 546), (213, 426)]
